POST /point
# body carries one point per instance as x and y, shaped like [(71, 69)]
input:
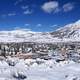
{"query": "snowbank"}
[(31, 69)]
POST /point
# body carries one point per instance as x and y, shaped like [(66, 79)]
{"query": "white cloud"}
[(68, 7), (27, 11), (11, 14), (17, 2), (55, 25), (25, 7), (53, 6), (27, 24), (39, 25), (50, 6), (20, 28)]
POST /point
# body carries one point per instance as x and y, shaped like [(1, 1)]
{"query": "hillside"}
[(70, 32)]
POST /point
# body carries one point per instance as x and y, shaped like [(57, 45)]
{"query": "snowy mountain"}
[(70, 32), (23, 35)]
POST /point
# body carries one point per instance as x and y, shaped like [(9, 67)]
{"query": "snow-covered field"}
[(39, 69)]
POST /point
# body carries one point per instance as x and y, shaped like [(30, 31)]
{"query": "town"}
[(26, 50)]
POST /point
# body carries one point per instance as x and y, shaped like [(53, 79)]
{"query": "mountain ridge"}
[(70, 32)]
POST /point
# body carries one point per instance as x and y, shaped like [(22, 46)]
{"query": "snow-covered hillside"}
[(23, 35), (70, 32)]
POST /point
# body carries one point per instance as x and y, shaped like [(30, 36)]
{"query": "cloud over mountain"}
[(68, 7), (50, 6)]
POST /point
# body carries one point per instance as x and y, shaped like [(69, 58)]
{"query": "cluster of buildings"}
[(16, 49)]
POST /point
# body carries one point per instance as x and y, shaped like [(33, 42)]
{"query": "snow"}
[(22, 35), (47, 70), (40, 69), (25, 36)]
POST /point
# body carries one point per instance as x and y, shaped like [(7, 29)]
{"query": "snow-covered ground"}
[(38, 69)]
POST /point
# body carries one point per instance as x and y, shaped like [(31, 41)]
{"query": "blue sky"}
[(38, 15)]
